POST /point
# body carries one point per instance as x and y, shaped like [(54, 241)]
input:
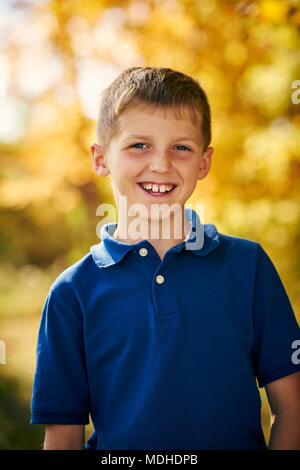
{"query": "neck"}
[(163, 233)]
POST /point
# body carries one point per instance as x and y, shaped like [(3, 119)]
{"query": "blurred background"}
[(55, 58)]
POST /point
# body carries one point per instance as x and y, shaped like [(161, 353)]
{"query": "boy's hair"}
[(158, 86)]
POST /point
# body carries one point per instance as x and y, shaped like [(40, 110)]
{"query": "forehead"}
[(164, 118)]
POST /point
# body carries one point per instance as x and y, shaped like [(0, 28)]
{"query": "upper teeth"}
[(158, 187)]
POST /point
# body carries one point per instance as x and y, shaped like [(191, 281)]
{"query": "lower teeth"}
[(157, 192)]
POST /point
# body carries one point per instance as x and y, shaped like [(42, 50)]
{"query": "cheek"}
[(190, 170), (121, 169)]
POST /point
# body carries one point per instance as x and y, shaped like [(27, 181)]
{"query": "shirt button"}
[(143, 252), (160, 279)]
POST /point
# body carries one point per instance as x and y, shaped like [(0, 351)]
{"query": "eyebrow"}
[(147, 137), (135, 136)]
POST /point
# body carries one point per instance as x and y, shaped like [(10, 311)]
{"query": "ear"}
[(205, 163), (99, 161)]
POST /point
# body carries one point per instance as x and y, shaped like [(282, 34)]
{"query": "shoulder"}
[(74, 276), (239, 247), (235, 242), (64, 298)]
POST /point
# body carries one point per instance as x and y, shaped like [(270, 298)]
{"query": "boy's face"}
[(154, 146)]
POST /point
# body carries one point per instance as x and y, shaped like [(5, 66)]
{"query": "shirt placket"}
[(163, 290)]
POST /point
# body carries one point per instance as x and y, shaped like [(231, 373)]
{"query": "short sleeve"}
[(60, 392), (275, 326)]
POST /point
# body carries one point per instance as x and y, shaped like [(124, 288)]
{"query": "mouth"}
[(160, 191)]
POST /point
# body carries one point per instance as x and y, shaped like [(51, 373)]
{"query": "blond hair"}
[(158, 86)]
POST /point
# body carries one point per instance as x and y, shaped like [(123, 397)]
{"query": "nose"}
[(160, 161)]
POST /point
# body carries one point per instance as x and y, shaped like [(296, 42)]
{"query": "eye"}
[(137, 145), (182, 147)]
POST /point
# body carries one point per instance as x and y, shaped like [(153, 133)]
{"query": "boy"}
[(160, 340)]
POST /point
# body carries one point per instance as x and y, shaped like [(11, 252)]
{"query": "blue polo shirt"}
[(164, 354)]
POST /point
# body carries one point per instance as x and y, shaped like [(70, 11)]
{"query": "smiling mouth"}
[(157, 193)]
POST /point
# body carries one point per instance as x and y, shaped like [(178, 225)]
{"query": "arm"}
[(64, 437), (284, 401)]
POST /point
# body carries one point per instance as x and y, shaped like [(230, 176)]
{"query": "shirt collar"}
[(111, 251)]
